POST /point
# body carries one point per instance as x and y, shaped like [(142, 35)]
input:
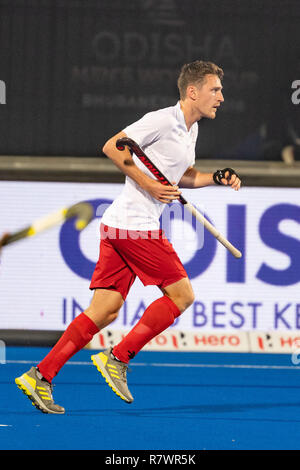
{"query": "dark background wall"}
[(77, 72)]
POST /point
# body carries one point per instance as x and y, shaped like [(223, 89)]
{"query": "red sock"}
[(156, 318), (77, 335)]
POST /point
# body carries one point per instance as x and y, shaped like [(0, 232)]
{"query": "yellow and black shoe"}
[(39, 391), (114, 372)]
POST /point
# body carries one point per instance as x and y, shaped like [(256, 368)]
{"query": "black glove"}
[(220, 174)]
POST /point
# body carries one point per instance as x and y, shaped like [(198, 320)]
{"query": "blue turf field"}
[(183, 401)]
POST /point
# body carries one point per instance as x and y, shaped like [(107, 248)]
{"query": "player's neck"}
[(189, 113)]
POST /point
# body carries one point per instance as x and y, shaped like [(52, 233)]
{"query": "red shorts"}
[(125, 254)]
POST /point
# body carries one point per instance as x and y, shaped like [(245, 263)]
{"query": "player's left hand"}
[(227, 177)]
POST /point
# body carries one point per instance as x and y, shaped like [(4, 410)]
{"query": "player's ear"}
[(191, 92)]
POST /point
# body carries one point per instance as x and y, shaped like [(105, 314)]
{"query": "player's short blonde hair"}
[(194, 74)]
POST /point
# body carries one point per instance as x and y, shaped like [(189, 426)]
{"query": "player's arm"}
[(123, 160), (193, 178)]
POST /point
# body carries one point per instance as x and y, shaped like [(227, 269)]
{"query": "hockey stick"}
[(133, 146), (83, 211)]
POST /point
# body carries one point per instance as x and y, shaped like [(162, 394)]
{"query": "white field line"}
[(157, 364)]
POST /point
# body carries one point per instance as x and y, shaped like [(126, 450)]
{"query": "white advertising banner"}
[(44, 279)]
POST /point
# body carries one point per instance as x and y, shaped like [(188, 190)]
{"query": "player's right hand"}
[(163, 193)]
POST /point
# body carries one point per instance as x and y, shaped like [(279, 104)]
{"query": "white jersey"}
[(164, 137)]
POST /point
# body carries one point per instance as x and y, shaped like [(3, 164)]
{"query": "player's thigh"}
[(106, 301), (181, 292)]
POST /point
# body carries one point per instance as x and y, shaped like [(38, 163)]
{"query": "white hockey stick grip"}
[(49, 221), (234, 251)]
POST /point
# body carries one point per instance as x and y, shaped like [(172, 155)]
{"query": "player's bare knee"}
[(113, 316), (184, 300), (192, 298), (187, 295), (189, 298)]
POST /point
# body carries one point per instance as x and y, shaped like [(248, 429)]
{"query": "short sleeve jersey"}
[(164, 137)]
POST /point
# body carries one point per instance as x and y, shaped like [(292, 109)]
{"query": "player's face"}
[(208, 97)]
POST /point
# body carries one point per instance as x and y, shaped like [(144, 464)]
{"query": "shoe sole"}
[(26, 388), (97, 362)]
